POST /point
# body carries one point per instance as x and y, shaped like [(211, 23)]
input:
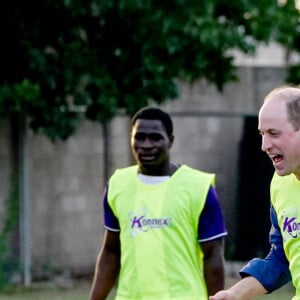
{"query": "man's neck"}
[(152, 180), (167, 170)]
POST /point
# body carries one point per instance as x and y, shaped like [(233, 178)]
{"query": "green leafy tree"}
[(69, 60), (65, 61)]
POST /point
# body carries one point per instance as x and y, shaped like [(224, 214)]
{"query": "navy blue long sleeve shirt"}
[(273, 270)]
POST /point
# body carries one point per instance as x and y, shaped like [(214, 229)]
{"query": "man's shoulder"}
[(126, 170), (196, 172), (192, 173)]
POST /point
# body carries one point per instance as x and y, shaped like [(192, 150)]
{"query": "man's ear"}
[(171, 139)]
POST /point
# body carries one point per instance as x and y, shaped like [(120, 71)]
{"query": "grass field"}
[(79, 290)]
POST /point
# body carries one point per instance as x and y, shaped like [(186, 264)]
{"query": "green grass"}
[(47, 291), (79, 290), (75, 290)]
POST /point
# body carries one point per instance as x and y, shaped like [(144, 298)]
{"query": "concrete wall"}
[(209, 127), (67, 178)]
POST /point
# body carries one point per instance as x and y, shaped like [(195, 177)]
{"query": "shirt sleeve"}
[(110, 221), (272, 271), (211, 224)]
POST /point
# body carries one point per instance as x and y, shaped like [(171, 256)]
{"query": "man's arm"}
[(107, 266), (247, 288), (213, 265), (273, 270), (261, 276)]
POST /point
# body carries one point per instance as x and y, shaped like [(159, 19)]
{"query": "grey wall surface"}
[(66, 179)]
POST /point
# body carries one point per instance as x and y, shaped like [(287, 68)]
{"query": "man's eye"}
[(140, 136), (274, 133), (155, 137)]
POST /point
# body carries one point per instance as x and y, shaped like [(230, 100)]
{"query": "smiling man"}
[(279, 126), (164, 228)]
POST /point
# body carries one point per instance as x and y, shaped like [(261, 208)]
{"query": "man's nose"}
[(265, 143), (147, 142)]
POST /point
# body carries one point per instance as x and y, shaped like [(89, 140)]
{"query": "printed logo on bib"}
[(290, 225), (141, 222)]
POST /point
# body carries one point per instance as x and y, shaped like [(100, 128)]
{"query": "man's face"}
[(150, 146), (279, 139)]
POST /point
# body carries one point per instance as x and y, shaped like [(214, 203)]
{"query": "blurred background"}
[(73, 72)]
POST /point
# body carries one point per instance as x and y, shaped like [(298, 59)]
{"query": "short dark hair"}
[(154, 113), (292, 101), (293, 109)]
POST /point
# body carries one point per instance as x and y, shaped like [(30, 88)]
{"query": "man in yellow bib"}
[(164, 228), (279, 125)]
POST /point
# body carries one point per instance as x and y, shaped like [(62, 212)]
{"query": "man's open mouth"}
[(147, 157), (276, 158)]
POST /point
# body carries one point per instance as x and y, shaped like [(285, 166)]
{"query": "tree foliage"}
[(68, 60)]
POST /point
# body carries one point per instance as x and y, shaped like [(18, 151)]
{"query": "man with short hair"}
[(164, 228), (279, 124)]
